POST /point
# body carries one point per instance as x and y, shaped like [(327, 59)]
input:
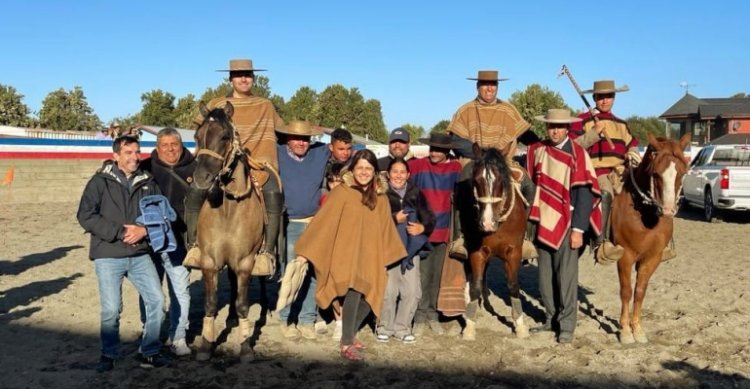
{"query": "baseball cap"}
[(399, 134)]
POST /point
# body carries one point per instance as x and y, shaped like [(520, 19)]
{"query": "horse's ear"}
[(476, 150), (685, 140), (203, 109), (652, 140), (229, 109)]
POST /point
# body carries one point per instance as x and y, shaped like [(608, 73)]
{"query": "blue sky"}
[(411, 56)]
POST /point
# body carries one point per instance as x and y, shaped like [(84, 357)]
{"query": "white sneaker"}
[(321, 328), (180, 348), (337, 331)]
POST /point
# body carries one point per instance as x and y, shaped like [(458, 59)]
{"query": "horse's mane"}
[(493, 157)]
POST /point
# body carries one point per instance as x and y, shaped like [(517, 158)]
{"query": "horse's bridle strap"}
[(489, 199), (210, 153)]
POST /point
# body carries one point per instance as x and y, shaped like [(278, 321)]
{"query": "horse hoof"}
[(202, 356), (246, 353), (640, 337), (470, 331), (626, 337)]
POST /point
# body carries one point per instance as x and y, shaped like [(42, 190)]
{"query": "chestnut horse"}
[(230, 223), (501, 227), (643, 221)]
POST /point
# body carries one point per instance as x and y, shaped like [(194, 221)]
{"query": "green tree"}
[(261, 87), (158, 108), (333, 103), (303, 105), (372, 121), (186, 111), (441, 127), (13, 111), (536, 100), (221, 90), (639, 126), (415, 132), (347, 107), (68, 111), (739, 95)]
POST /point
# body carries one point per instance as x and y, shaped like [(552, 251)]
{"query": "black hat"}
[(439, 140)]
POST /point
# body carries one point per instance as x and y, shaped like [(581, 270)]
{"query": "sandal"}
[(358, 344), (351, 353)]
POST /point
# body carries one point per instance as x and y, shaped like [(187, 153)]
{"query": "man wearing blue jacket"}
[(108, 210)]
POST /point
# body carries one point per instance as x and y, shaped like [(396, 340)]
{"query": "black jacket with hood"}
[(107, 204)]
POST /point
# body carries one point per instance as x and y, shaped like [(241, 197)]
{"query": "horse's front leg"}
[(478, 261), (624, 269), (512, 262), (646, 268), (208, 333), (243, 307)]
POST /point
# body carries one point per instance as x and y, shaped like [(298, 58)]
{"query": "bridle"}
[(647, 197), (232, 155), (510, 200)]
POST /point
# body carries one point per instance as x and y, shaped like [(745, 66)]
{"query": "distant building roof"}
[(708, 108), (732, 139)]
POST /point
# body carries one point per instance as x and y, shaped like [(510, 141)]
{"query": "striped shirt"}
[(603, 156), (436, 181)]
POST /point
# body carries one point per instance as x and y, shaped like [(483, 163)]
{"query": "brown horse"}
[(642, 223), (230, 224), (501, 228)]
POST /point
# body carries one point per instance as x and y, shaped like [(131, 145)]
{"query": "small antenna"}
[(686, 86)]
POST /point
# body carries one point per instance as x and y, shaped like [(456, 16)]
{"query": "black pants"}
[(430, 271), (353, 313), (558, 284)]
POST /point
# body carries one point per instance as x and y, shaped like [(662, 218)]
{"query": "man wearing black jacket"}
[(172, 166), (108, 210)]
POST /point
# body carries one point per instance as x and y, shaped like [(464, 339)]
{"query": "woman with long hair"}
[(349, 242)]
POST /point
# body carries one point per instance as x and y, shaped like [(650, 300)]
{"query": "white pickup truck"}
[(718, 179)]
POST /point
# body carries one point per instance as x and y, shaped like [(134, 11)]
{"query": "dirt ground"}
[(696, 316)]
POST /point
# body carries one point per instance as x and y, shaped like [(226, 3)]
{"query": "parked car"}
[(718, 180)]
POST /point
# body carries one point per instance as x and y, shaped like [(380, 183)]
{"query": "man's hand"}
[(414, 228), (599, 127), (633, 157), (401, 216), (133, 233), (576, 239)]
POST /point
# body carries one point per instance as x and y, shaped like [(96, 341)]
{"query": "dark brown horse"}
[(501, 227), (230, 224), (642, 223)]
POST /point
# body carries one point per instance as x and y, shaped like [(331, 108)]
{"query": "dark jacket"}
[(172, 187), (414, 199), (107, 204)]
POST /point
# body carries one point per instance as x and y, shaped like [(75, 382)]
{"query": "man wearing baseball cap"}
[(398, 147)]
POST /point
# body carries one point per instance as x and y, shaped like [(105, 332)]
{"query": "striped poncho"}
[(603, 156)]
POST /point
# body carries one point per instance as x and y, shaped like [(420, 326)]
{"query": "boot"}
[(193, 201), (457, 246), (266, 258), (606, 252)]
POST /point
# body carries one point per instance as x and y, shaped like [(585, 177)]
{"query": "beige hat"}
[(606, 86), (241, 65), (555, 115), (487, 75), (300, 128)]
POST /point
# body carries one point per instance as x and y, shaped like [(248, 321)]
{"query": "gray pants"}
[(396, 316), (558, 283)]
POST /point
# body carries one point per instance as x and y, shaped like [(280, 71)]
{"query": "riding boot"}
[(528, 189), (274, 201), (193, 202), (606, 251), (457, 247)]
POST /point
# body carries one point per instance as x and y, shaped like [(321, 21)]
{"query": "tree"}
[(158, 108), (639, 126), (221, 90), (13, 112), (186, 111), (536, 100), (415, 132), (739, 95), (68, 111), (261, 87), (441, 127), (303, 105), (347, 107)]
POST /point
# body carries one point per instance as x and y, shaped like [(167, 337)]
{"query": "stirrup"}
[(607, 253), (457, 249), (265, 264), (528, 250), (192, 258), (668, 254)]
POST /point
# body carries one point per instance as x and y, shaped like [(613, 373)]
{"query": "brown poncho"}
[(491, 125)]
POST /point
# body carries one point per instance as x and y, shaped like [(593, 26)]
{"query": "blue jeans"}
[(178, 280), (141, 272), (304, 307)]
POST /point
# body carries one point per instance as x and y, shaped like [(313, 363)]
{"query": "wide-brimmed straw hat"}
[(556, 115), (439, 140), (606, 86), (241, 65), (300, 128), (488, 75)]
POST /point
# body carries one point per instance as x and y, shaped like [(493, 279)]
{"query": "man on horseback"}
[(489, 122), (609, 160), (255, 119), (563, 171)]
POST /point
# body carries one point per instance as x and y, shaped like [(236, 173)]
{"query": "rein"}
[(234, 156)]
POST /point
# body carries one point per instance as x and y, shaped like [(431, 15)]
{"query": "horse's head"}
[(213, 139), (492, 186), (664, 165)]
